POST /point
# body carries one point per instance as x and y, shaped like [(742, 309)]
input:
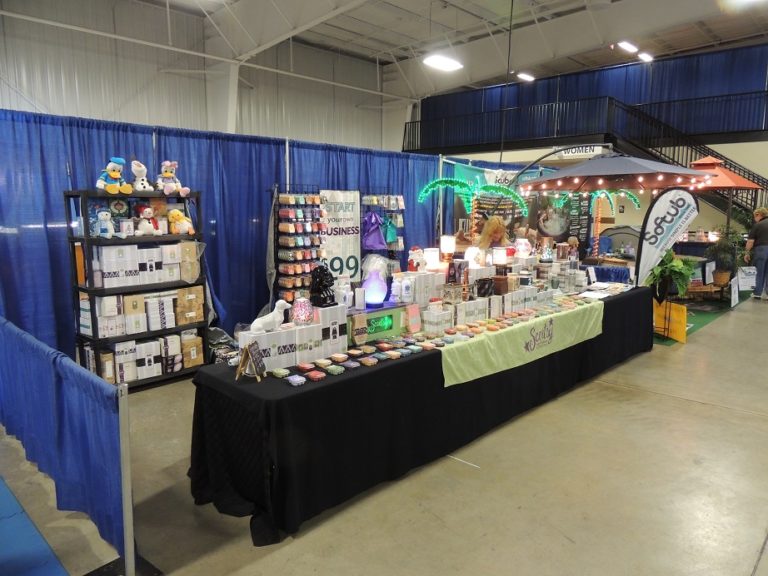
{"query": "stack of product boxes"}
[(189, 305)]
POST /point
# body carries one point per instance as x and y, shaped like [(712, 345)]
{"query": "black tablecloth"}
[(283, 454)]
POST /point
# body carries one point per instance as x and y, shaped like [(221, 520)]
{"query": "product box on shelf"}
[(135, 323), (507, 303), (309, 343), (278, 348), (192, 352), (149, 362), (461, 313), (160, 312), (189, 305), (170, 272), (133, 304), (150, 265), (436, 322), (107, 366), (108, 305), (125, 361), (333, 322), (170, 350), (518, 300), (188, 251), (171, 253)]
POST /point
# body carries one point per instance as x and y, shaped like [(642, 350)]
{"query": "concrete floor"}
[(658, 467)]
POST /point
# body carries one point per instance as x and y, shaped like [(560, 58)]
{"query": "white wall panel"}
[(287, 107), (57, 71)]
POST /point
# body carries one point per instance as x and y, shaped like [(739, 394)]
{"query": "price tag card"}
[(591, 274)]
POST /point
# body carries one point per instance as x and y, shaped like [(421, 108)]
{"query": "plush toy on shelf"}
[(140, 182), (103, 225), (273, 320), (147, 223), (111, 178), (167, 180), (178, 223)]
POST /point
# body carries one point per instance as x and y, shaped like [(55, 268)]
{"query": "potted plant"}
[(670, 271), (727, 252)]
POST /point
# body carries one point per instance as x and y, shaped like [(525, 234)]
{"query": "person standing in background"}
[(758, 243), (494, 234)]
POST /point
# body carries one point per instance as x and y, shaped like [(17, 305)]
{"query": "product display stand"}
[(298, 240), (140, 301)]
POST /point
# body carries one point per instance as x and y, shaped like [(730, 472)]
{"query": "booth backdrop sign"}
[(668, 216), (342, 234)]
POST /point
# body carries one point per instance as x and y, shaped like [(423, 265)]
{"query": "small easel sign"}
[(251, 362)]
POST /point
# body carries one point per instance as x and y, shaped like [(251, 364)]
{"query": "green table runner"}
[(492, 352)]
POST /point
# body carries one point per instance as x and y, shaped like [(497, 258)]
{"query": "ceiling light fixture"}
[(628, 46), (525, 76), (645, 57), (443, 63)]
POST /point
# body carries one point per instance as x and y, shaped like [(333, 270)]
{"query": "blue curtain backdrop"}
[(40, 157), (373, 172), (737, 71), (235, 175)]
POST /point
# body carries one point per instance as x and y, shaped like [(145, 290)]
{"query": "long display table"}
[(282, 455)]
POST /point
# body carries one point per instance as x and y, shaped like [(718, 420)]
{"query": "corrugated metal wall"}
[(282, 106), (64, 72)]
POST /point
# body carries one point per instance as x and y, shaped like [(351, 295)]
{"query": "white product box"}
[(125, 351), (170, 350), (461, 313), (148, 266), (162, 225), (171, 273), (149, 362), (278, 348), (245, 337), (507, 303), (126, 227), (161, 321), (125, 371), (309, 343), (496, 307), (481, 309), (171, 254), (109, 305), (333, 322), (135, 323)]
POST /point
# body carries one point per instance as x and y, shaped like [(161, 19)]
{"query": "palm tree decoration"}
[(467, 191)]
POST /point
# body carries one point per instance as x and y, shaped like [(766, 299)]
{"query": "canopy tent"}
[(723, 179)]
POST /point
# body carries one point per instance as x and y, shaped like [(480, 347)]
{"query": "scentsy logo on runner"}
[(541, 336)]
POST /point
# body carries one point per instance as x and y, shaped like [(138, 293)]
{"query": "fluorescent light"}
[(628, 46), (525, 76), (645, 57), (442, 63)]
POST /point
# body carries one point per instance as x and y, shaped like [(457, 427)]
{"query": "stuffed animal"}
[(271, 321), (140, 181), (167, 181), (416, 260), (178, 223), (103, 226), (111, 178), (147, 223)]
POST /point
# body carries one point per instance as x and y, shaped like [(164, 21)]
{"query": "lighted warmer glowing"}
[(522, 248), (499, 256), (475, 257), (375, 289), (713, 236), (447, 244), (302, 311)]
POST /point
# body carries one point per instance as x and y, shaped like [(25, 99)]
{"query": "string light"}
[(559, 182), (660, 177), (639, 178), (600, 181)]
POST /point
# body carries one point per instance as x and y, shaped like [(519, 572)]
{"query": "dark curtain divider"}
[(67, 420), (373, 172)]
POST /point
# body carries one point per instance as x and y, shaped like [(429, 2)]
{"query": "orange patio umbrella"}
[(722, 179)]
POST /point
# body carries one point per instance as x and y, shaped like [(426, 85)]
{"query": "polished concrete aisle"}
[(658, 467)]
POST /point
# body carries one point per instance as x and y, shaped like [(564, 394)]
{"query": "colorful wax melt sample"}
[(369, 361), (427, 345), (477, 330), (493, 328), (381, 356), (404, 352), (409, 341), (438, 343), (448, 339), (481, 322), (384, 346), (280, 372), (315, 375), (461, 338), (393, 354), (461, 328), (472, 324), (450, 331), (469, 334), (413, 348), (350, 364), (335, 370), (419, 338), (322, 363), (339, 358), (305, 367), (367, 349), (296, 380), (398, 343), (354, 352)]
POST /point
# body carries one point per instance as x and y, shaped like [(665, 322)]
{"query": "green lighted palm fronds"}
[(467, 191)]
